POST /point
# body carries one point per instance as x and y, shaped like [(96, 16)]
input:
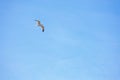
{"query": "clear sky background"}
[(81, 40)]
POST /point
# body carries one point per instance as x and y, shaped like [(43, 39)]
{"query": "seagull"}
[(39, 24)]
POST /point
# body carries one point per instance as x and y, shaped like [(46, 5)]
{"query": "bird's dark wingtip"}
[(43, 30)]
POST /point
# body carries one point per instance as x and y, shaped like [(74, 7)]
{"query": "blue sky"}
[(81, 40)]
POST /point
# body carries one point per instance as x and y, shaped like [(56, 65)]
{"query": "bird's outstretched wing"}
[(39, 24), (42, 27)]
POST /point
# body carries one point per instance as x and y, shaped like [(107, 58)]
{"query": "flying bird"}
[(39, 24)]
